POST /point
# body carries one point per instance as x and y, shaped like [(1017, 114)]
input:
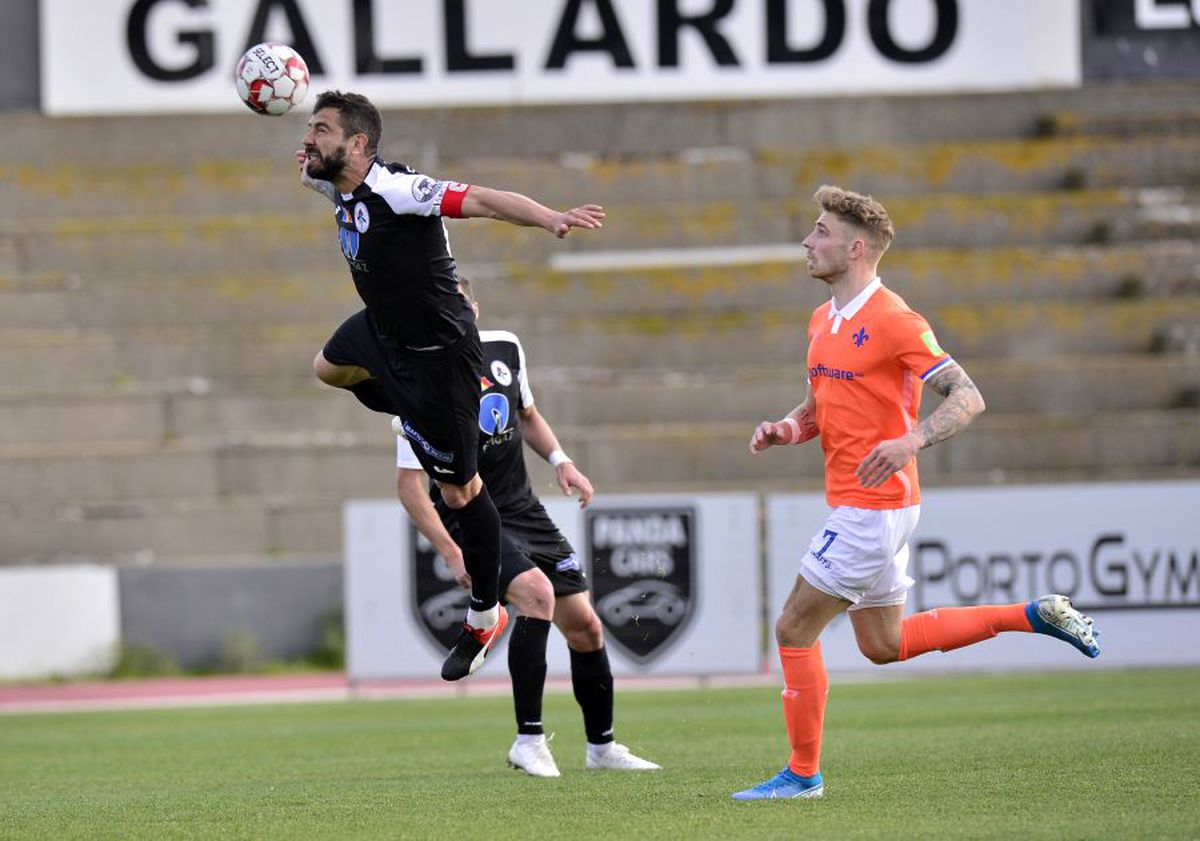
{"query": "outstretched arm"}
[(961, 404), (538, 435), (796, 427), (519, 209), (413, 490)]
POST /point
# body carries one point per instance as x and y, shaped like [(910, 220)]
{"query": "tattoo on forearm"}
[(962, 403), (808, 425)]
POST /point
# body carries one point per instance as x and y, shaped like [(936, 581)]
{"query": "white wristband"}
[(794, 426), (558, 458)]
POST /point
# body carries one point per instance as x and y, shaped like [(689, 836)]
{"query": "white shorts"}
[(861, 555)]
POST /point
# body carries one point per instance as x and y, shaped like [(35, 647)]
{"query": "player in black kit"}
[(539, 572), (414, 350)]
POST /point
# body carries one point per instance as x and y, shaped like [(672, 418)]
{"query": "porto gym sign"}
[(178, 55)]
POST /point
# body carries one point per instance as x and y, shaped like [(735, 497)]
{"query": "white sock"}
[(599, 750), (483, 618)]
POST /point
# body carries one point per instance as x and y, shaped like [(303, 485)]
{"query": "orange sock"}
[(806, 686), (947, 628)]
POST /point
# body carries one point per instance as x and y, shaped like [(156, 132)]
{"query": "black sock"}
[(480, 524), (592, 679), (371, 395), (527, 665)]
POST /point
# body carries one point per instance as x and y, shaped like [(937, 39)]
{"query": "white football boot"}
[(615, 757), (533, 757)]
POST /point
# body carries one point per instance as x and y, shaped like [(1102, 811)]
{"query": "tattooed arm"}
[(961, 404), (796, 427)]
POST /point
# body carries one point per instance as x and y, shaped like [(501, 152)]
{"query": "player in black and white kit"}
[(539, 573), (414, 350)]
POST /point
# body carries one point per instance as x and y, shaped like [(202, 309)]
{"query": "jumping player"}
[(868, 356), (414, 350)]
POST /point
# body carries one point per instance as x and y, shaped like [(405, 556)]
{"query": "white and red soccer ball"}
[(271, 79)]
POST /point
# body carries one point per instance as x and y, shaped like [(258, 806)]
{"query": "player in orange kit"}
[(868, 357)]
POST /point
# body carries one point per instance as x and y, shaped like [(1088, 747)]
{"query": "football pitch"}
[(1080, 754)]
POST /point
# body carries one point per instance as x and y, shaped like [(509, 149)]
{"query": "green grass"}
[(1099, 754)]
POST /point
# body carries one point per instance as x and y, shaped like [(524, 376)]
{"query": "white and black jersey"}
[(530, 537), (391, 233)]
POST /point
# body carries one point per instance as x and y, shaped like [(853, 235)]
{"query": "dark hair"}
[(860, 210), (356, 115)]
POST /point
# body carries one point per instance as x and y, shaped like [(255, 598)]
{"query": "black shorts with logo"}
[(435, 394), (532, 540)]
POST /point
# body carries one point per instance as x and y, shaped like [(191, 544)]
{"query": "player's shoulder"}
[(388, 179), (892, 304), (500, 337)]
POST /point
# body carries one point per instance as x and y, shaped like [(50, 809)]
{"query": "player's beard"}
[(327, 167)]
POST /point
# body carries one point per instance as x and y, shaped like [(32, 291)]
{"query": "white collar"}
[(851, 309)]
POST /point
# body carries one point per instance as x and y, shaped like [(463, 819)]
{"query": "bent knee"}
[(586, 634), (879, 652), (531, 593), (338, 376)]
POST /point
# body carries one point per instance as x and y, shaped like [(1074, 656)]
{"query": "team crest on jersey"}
[(423, 188), (439, 603), (362, 219), (643, 572), (501, 372)]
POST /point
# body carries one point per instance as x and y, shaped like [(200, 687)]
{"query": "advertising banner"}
[(1126, 554), (675, 582), (1141, 39), (108, 56), (58, 620)]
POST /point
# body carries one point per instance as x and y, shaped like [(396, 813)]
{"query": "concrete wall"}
[(197, 615)]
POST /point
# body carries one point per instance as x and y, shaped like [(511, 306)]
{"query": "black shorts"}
[(532, 540), (435, 394)]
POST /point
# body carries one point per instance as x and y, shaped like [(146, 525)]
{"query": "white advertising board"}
[(109, 56), (58, 621), (675, 580), (1127, 554)]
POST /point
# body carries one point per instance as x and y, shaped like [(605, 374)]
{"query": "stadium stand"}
[(164, 285)]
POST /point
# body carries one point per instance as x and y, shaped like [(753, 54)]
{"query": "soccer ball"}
[(271, 78)]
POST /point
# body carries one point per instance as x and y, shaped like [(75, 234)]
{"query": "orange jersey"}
[(866, 367)]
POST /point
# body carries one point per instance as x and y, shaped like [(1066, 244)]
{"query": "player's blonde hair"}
[(861, 211)]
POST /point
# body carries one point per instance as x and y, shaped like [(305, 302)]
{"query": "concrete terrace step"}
[(193, 412), (217, 414), (1166, 122), (329, 467), (156, 531), (68, 359), (627, 455), (63, 189), (752, 393), (644, 280), (693, 339), (629, 130), (290, 242), (769, 276), (1020, 330)]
